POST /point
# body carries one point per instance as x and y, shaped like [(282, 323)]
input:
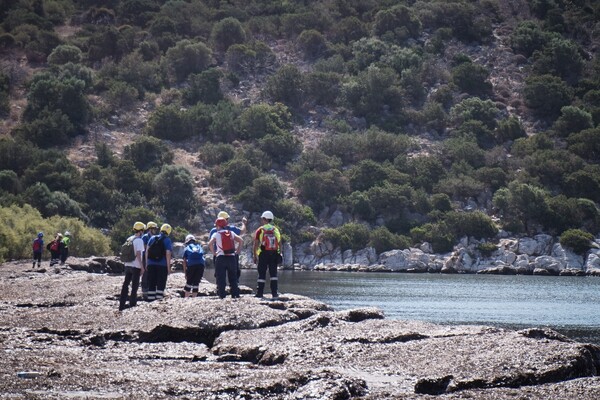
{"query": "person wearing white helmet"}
[(158, 261), (266, 253), (224, 246), (193, 266), (64, 247), (133, 268)]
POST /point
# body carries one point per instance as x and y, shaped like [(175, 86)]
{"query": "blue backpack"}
[(195, 254)]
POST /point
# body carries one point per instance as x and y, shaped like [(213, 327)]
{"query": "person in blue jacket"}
[(193, 266), (38, 248), (158, 262)]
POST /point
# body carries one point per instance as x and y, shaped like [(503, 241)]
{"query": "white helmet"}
[(189, 238), (267, 215), (67, 233)]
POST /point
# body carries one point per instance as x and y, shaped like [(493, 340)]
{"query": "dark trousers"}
[(226, 267), (54, 257), (132, 275), (193, 276), (157, 281), (267, 260), (37, 256), (64, 254), (145, 281)]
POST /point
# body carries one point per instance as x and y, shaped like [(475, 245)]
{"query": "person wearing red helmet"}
[(223, 246)]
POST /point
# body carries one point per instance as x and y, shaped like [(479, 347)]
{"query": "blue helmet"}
[(41, 235)]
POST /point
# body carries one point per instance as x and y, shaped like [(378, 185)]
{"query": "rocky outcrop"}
[(61, 336)]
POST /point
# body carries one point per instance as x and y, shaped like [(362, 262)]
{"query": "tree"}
[(474, 108), (227, 32), (187, 57), (204, 87), (586, 144), (398, 24), (312, 44), (65, 53), (263, 194), (546, 95), (286, 86), (148, 153), (174, 189), (472, 78), (572, 120)]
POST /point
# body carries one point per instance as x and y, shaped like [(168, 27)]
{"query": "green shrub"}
[(546, 95), (578, 240), (237, 174), (216, 153), (322, 87), (529, 37), (147, 153), (22, 223), (312, 44), (396, 24), (509, 129), (441, 202), (227, 32), (382, 240), (286, 86), (351, 236), (572, 120), (187, 57), (437, 234), (281, 148), (167, 123), (48, 129), (474, 108), (65, 53), (263, 194), (472, 78), (262, 119), (560, 57), (204, 87), (174, 189), (122, 96), (487, 248), (348, 30), (586, 144), (472, 224), (425, 170), (319, 189)]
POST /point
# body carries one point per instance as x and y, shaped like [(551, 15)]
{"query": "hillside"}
[(362, 123)]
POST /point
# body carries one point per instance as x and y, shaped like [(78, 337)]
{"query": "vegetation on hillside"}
[(417, 135)]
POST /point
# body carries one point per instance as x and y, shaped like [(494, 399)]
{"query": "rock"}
[(592, 262), (73, 337), (498, 270), (567, 258), (336, 219)]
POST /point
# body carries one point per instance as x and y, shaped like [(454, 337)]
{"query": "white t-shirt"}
[(219, 243), (138, 245)]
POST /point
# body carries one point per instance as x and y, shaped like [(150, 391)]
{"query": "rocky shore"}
[(62, 337)]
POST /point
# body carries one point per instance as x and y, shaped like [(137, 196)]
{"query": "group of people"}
[(58, 248), (153, 254)]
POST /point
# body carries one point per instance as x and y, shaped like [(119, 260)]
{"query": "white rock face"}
[(396, 260), (536, 246), (567, 257)]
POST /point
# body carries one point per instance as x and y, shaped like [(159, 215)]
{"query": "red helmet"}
[(221, 223)]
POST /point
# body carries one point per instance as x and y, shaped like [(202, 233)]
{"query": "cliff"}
[(63, 326)]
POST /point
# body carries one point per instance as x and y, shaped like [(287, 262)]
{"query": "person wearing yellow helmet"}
[(151, 230), (158, 260), (133, 268)]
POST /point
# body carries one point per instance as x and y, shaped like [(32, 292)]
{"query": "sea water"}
[(570, 305)]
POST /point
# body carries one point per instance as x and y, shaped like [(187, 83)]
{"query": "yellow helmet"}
[(139, 226), (151, 224), (166, 228), (223, 214)]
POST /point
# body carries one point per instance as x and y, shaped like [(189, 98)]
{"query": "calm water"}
[(570, 305)]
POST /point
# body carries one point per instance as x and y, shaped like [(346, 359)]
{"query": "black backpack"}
[(128, 251), (156, 249)]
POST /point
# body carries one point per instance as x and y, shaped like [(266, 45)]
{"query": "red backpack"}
[(269, 240), (37, 245), (227, 242)]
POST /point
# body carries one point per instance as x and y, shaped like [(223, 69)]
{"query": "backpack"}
[(227, 242), (195, 254), (269, 240), (156, 250), (54, 246), (37, 246), (127, 251)]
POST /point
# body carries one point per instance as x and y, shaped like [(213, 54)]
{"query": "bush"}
[(578, 240), (323, 87), (167, 123), (441, 202), (529, 37), (472, 78), (49, 129), (509, 129), (487, 248), (436, 234), (122, 96), (281, 147), (472, 224), (286, 86), (227, 32), (216, 153), (546, 95), (174, 189), (187, 57), (560, 57), (586, 144), (263, 194), (147, 153), (312, 44), (261, 119), (319, 189), (65, 53), (350, 236), (396, 24), (473, 108), (204, 87), (21, 224), (238, 174), (382, 240), (572, 120)]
